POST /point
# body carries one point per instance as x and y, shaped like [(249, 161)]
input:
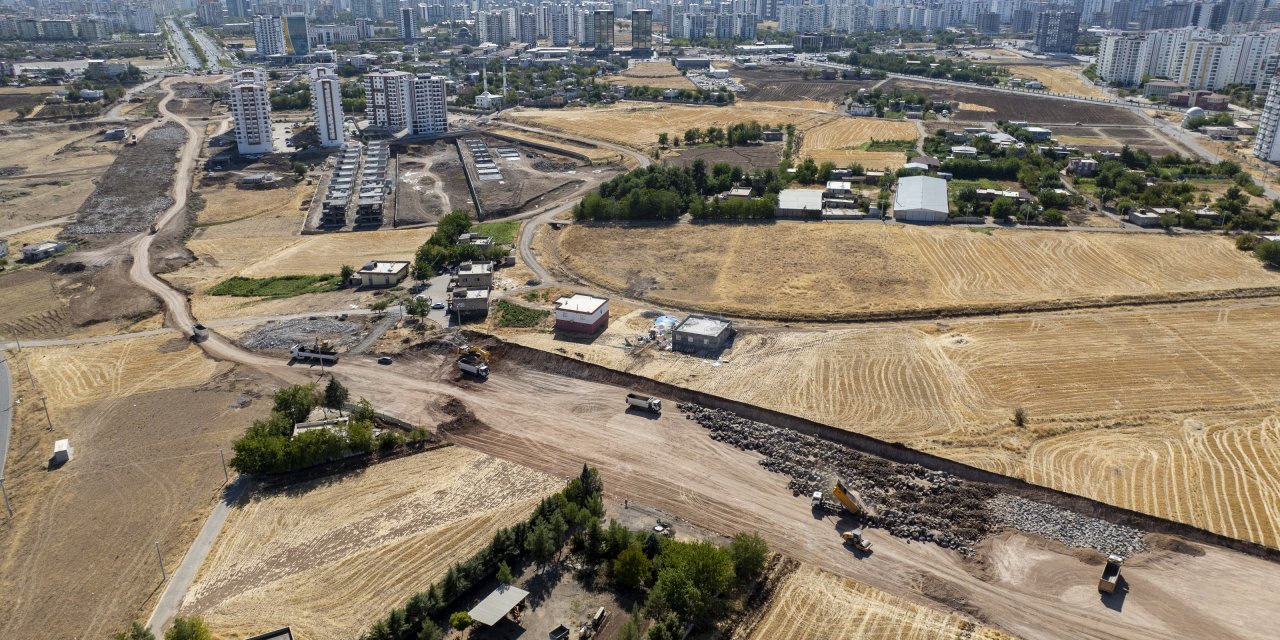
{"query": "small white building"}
[(1144, 218), (963, 151), (38, 252), (61, 453), (921, 199), (839, 188), (381, 273), (581, 313), (800, 202)]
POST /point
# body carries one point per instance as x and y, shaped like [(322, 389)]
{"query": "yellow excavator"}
[(468, 351)]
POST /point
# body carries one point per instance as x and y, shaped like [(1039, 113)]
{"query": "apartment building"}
[(268, 35), (429, 112), (388, 95), (326, 104), (1267, 143), (1195, 58), (250, 104)]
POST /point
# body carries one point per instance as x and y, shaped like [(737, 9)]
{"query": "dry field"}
[(849, 271), (997, 105), (662, 75), (788, 88), (146, 418), (639, 126), (838, 141), (812, 604), (58, 170), (1065, 80), (1169, 410), (331, 556)]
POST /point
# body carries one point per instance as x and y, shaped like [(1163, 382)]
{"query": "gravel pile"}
[(1068, 527), (283, 335), (135, 190), (906, 500)]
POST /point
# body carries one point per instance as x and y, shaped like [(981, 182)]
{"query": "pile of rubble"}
[(907, 500), (1068, 527), (284, 334)]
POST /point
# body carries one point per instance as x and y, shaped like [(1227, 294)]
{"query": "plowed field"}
[(814, 604), (850, 271), (331, 556)]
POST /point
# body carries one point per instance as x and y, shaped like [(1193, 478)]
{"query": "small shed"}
[(701, 333), (61, 453), (498, 604)]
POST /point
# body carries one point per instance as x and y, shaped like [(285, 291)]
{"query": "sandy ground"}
[(662, 75), (1021, 584), (814, 604), (1167, 410), (78, 560), (595, 154), (331, 556), (639, 125), (849, 269), (59, 170), (1058, 79)]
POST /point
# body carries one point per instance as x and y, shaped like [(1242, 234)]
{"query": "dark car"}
[(384, 360)]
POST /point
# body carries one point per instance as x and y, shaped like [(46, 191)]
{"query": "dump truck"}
[(856, 540), (473, 365), (815, 501), (645, 403), (850, 499), (199, 333), (319, 352), (1110, 575)]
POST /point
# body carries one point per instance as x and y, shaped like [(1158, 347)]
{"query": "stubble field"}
[(838, 141), (1058, 79), (331, 556), (831, 271), (48, 173), (812, 604)]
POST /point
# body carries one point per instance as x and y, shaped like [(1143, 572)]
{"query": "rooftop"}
[(388, 268), (703, 326), (580, 303), (921, 192), (496, 605), (839, 185), (474, 268), (804, 199)]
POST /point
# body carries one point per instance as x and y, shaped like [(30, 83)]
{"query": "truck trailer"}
[(1110, 575), (318, 352), (474, 366), (644, 403)]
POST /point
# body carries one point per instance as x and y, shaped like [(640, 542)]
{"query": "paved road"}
[(6, 411), (183, 577)]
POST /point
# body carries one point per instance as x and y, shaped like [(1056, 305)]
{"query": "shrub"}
[(460, 620), (1268, 251), (514, 315)]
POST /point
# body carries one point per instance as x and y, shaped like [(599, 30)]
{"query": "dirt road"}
[(1021, 584)]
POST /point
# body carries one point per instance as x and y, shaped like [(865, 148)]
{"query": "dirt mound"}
[(1164, 542), (462, 419)]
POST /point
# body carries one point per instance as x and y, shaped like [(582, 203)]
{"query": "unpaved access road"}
[(1018, 583)]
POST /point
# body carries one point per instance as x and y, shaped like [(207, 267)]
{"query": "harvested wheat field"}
[(1169, 410), (662, 75), (78, 559), (814, 604), (858, 271), (1064, 80), (639, 126), (840, 141), (331, 556), (48, 174)]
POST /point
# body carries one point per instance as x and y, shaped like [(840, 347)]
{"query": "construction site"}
[(935, 432)]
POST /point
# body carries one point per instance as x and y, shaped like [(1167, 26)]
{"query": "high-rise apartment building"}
[(251, 111), (387, 97), (642, 29), (297, 37), (527, 28), (988, 22), (1267, 143), (428, 110), (326, 104), (559, 29), (1056, 31), (408, 24), (268, 35), (1196, 58), (604, 30)]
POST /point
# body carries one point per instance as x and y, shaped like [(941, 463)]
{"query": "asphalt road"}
[(6, 411)]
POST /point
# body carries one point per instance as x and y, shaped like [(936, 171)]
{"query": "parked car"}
[(437, 305), (384, 360)]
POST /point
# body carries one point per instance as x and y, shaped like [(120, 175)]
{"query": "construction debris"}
[(1068, 527), (286, 333)]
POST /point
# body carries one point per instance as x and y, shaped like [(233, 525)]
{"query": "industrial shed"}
[(800, 203), (921, 199), (498, 604)]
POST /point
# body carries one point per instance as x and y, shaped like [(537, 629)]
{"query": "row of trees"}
[(184, 628), (695, 96), (923, 65), (735, 135), (667, 192), (442, 249)]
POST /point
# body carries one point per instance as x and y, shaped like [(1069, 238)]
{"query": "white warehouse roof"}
[(921, 193), (580, 303), (800, 199)]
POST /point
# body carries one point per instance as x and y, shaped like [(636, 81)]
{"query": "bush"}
[(1269, 252), (749, 552), (1247, 242), (514, 315), (460, 620), (276, 287), (390, 441), (632, 568), (192, 628), (136, 632)]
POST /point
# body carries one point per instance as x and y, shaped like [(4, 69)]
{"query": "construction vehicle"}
[(199, 333), (319, 352), (473, 365), (1110, 575), (856, 540), (133, 140), (849, 498), (645, 403), (467, 350), (816, 500)]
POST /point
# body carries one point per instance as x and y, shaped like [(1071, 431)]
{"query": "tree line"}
[(667, 192), (442, 250)]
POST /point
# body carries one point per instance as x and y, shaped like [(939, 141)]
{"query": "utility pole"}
[(8, 507), (163, 576), (46, 413), (226, 476)]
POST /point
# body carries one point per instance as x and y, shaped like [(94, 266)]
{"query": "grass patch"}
[(514, 315), (889, 145), (276, 287), (501, 232)]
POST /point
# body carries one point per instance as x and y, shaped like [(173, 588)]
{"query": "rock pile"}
[(907, 500), (1068, 527), (285, 334)]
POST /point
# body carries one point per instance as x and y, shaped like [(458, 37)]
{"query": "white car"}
[(438, 305)]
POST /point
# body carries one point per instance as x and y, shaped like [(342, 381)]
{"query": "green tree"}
[(669, 629), (1268, 251), (504, 574), (429, 631), (631, 628), (191, 628), (136, 632), (364, 411), (632, 568), (345, 274), (662, 139), (1002, 208), (749, 553), (335, 395), (295, 402), (460, 620), (541, 544)]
